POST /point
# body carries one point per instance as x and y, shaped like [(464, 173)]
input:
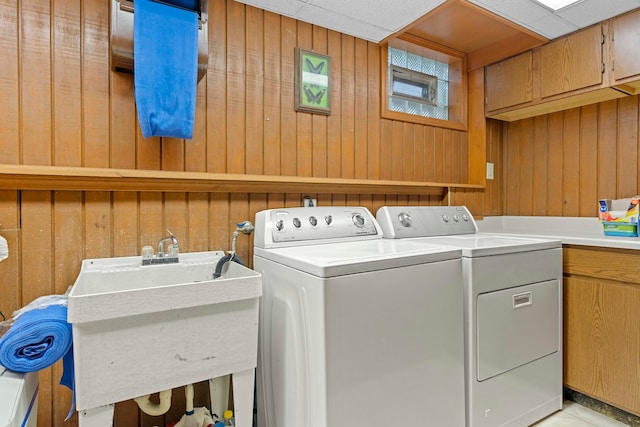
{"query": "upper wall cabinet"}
[(593, 65), (572, 62), (625, 61), (510, 82)]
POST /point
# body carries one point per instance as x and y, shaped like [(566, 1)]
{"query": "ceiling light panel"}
[(557, 4)]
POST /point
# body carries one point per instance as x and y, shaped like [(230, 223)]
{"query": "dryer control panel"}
[(317, 225), (425, 221)]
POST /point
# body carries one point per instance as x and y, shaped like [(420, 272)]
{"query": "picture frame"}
[(312, 82)]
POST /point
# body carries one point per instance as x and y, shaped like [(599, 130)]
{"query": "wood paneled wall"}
[(560, 164), (490, 201), (60, 104)]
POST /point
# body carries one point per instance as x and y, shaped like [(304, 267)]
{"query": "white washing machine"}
[(355, 330), (18, 398), (512, 309)]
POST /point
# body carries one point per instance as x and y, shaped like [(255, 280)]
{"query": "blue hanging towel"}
[(165, 52)]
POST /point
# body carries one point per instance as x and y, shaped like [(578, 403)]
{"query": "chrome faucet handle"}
[(174, 244)]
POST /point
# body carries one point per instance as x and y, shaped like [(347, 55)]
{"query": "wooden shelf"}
[(23, 177)]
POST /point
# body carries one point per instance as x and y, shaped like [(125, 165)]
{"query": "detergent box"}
[(622, 222)]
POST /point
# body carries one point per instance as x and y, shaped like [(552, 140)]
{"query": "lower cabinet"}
[(602, 324)]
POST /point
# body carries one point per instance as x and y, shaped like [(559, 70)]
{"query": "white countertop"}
[(570, 230)]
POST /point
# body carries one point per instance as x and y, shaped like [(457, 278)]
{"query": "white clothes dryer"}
[(512, 311), (355, 329)]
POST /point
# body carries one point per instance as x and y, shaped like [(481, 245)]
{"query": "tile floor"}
[(575, 415)]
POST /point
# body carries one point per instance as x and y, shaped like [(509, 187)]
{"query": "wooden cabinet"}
[(510, 82), (572, 62), (625, 61), (602, 324), (569, 72)]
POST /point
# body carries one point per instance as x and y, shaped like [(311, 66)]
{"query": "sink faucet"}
[(174, 244), (171, 256)]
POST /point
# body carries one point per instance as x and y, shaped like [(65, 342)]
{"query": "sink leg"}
[(243, 384), (102, 416), (219, 392)]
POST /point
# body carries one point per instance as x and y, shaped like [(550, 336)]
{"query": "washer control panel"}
[(275, 227), (425, 221)]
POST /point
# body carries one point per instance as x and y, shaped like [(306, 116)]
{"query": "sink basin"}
[(142, 329)]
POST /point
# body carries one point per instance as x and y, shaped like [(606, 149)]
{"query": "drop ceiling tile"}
[(588, 12), (530, 15), (341, 23), (391, 15), (552, 26), (282, 7), (374, 20), (520, 11)]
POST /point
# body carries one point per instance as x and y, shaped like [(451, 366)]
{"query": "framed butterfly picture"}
[(312, 82)]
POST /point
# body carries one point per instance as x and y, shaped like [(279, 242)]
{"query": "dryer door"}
[(516, 326)]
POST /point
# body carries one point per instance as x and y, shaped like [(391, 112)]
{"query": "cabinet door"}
[(572, 62), (509, 82), (601, 346), (626, 33)]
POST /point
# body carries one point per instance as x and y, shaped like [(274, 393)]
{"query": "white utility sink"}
[(140, 329)]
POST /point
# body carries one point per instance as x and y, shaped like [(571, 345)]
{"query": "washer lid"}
[(338, 259), (477, 245), (11, 388)]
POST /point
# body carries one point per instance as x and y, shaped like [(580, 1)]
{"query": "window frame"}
[(458, 85), (413, 78)]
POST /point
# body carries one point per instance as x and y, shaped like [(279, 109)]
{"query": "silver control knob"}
[(456, 218), (358, 220), (465, 217), (328, 219), (313, 220), (445, 218), (279, 224), (405, 219), (296, 222)]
